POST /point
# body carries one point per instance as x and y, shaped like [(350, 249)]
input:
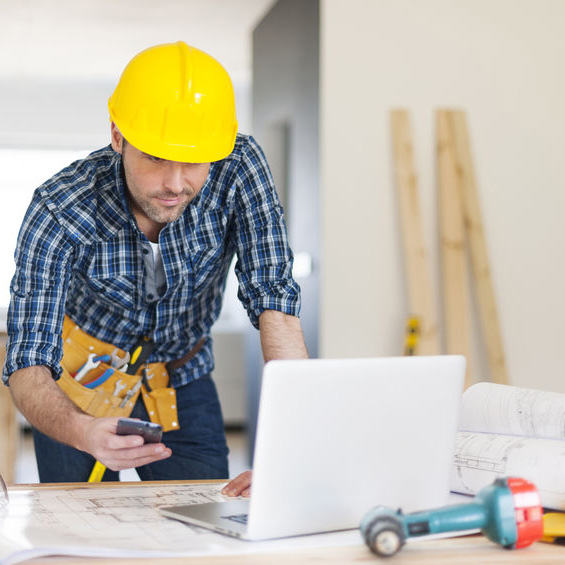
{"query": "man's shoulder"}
[(83, 192), (245, 146), (80, 177), (246, 159)]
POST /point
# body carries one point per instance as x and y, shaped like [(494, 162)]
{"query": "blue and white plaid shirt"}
[(80, 252)]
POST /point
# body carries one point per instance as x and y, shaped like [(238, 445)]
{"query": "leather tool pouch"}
[(117, 395)]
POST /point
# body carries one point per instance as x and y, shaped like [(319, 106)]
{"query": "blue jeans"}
[(199, 446)]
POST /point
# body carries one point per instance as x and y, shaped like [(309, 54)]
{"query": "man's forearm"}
[(46, 406), (281, 336), (49, 409)]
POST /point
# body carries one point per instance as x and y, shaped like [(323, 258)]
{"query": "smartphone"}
[(150, 432)]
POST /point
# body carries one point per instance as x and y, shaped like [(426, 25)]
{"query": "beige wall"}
[(501, 61)]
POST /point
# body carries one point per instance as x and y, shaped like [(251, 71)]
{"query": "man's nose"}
[(174, 178)]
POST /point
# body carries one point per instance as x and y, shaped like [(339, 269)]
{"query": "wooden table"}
[(469, 550), (473, 550)]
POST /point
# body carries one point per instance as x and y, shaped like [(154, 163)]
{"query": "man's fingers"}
[(132, 463), (121, 452), (124, 442), (240, 485), (134, 457)]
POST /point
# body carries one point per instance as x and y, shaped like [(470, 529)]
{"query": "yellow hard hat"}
[(176, 102)]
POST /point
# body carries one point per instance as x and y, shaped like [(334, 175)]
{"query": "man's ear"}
[(117, 138)]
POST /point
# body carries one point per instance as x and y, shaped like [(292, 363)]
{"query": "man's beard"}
[(160, 215)]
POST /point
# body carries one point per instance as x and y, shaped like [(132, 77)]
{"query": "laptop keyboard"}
[(240, 518)]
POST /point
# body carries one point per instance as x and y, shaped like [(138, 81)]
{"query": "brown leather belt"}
[(177, 363)]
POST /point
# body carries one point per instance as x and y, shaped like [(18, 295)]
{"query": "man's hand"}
[(119, 452), (240, 486), (48, 408)]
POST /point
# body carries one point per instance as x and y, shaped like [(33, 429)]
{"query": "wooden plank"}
[(477, 246), (452, 236), (8, 426), (420, 293)]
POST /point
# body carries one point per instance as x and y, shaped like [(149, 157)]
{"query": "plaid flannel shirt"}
[(80, 252)]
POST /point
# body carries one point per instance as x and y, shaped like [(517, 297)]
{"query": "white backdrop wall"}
[(502, 62)]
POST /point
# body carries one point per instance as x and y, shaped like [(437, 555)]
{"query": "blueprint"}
[(481, 457), (511, 431), (122, 521), (502, 409)]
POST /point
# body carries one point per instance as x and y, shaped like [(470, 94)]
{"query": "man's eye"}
[(154, 159)]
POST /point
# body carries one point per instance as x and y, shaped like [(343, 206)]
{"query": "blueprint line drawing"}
[(509, 431), (503, 409), (124, 521)]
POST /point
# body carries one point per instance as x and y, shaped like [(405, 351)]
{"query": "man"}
[(135, 241)]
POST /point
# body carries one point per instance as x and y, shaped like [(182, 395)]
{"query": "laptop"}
[(336, 437)]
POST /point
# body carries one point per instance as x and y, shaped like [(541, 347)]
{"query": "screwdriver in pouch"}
[(140, 354)]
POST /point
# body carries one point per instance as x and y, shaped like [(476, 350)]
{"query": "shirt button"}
[(145, 251), (150, 296)]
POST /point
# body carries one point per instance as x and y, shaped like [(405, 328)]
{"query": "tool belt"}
[(117, 395)]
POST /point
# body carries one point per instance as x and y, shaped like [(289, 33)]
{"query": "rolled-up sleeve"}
[(264, 258), (38, 290)]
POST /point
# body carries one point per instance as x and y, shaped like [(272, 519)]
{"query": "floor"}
[(26, 467)]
